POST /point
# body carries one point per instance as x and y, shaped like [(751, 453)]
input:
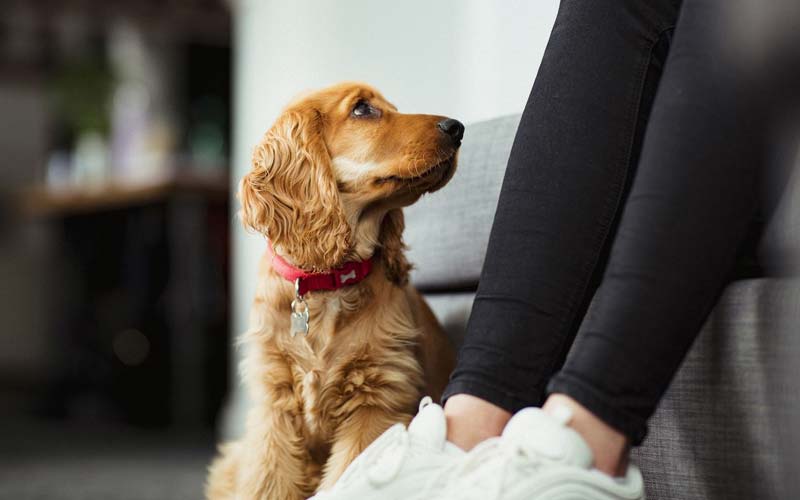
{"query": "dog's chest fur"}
[(360, 351)]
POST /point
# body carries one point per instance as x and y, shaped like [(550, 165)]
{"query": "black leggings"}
[(632, 182)]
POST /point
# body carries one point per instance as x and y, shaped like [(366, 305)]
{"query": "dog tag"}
[(299, 317)]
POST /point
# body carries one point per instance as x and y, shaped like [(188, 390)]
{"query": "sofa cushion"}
[(447, 232), (727, 426)]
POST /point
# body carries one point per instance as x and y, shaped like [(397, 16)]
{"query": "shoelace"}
[(374, 461), (385, 461), (485, 465), (381, 461)]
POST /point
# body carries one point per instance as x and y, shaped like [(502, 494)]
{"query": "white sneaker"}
[(538, 457), (401, 463)]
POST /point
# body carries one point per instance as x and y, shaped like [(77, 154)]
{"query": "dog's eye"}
[(363, 108)]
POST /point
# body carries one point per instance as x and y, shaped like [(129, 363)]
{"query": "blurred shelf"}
[(58, 202)]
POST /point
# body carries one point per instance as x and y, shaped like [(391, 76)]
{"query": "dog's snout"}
[(453, 128)]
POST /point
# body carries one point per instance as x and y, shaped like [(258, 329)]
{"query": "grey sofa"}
[(727, 427)]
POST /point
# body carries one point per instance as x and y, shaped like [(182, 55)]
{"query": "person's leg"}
[(694, 194), (574, 154)]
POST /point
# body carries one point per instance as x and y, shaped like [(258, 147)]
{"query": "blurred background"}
[(124, 275), (114, 237)]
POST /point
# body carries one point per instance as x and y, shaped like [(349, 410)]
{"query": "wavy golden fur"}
[(327, 185)]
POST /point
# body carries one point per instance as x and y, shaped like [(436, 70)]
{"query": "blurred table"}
[(57, 202), (139, 321)]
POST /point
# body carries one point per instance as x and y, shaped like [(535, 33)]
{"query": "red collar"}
[(349, 273)]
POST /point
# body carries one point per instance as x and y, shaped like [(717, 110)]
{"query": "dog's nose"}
[(453, 128)]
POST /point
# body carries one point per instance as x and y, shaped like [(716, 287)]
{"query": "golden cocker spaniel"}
[(329, 369)]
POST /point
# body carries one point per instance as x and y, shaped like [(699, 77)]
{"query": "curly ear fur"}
[(290, 195), (392, 247)]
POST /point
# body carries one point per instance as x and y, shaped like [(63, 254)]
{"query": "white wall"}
[(468, 59)]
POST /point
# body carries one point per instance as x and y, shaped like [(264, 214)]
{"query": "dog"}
[(340, 346)]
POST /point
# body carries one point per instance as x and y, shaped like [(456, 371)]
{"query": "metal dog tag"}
[(299, 319), (299, 312)]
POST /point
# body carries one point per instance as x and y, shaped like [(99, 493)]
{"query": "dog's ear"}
[(290, 195), (392, 247)]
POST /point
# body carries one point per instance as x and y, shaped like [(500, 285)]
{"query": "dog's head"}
[(329, 176)]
